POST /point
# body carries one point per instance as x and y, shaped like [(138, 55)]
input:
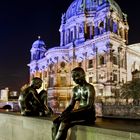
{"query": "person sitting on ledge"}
[(84, 113), (31, 103)]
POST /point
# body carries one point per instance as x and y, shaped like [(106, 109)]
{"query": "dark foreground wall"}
[(16, 127)]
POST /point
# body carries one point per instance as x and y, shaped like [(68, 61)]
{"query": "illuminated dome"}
[(77, 7), (38, 50), (115, 7), (39, 43)]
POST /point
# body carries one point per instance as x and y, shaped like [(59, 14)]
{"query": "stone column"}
[(109, 61), (62, 34), (91, 31), (68, 35), (126, 36), (96, 30), (107, 24), (104, 30), (82, 33), (66, 42), (75, 33)]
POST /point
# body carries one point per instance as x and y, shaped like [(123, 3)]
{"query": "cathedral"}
[(94, 36)]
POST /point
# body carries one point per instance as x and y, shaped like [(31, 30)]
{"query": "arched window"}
[(115, 60), (87, 35), (36, 55), (111, 25), (51, 82), (90, 64), (71, 36), (97, 30), (62, 64), (115, 78), (102, 60), (92, 34), (101, 27), (115, 27), (80, 29)]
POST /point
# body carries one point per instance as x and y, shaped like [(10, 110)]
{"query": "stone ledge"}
[(16, 127)]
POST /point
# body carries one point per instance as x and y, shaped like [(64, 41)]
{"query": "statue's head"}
[(78, 75), (36, 82)]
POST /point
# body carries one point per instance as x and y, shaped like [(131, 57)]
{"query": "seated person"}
[(84, 94), (32, 103)]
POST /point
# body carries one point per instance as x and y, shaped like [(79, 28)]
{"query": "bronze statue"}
[(84, 113), (32, 103)]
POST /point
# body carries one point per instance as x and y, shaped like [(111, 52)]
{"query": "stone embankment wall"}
[(123, 111), (16, 127)]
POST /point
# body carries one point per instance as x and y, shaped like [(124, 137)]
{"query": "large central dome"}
[(79, 6)]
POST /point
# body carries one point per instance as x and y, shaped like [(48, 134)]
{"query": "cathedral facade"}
[(94, 36)]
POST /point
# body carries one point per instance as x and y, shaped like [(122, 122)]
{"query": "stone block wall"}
[(123, 111), (16, 127)]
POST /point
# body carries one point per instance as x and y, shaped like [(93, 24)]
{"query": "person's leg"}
[(68, 121), (55, 127), (73, 118), (54, 130), (82, 116), (62, 131)]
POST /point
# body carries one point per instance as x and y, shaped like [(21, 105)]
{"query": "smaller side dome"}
[(39, 43), (71, 10), (116, 7), (38, 50)]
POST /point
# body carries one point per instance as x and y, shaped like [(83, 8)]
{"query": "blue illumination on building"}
[(91, 35)]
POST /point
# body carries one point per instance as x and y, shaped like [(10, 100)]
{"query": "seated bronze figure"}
[(84, 113), (31, 103)]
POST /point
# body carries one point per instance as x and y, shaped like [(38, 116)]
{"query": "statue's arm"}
[(91, 96), (26, 98)]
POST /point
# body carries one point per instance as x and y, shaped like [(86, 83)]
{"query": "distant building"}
[(133, 60), (7, 95), (94, 36), (4, 94), (13, 96)]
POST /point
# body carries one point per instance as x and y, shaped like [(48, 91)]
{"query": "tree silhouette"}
[(131, 90)]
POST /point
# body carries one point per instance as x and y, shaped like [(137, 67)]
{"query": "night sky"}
[(21, 22)]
